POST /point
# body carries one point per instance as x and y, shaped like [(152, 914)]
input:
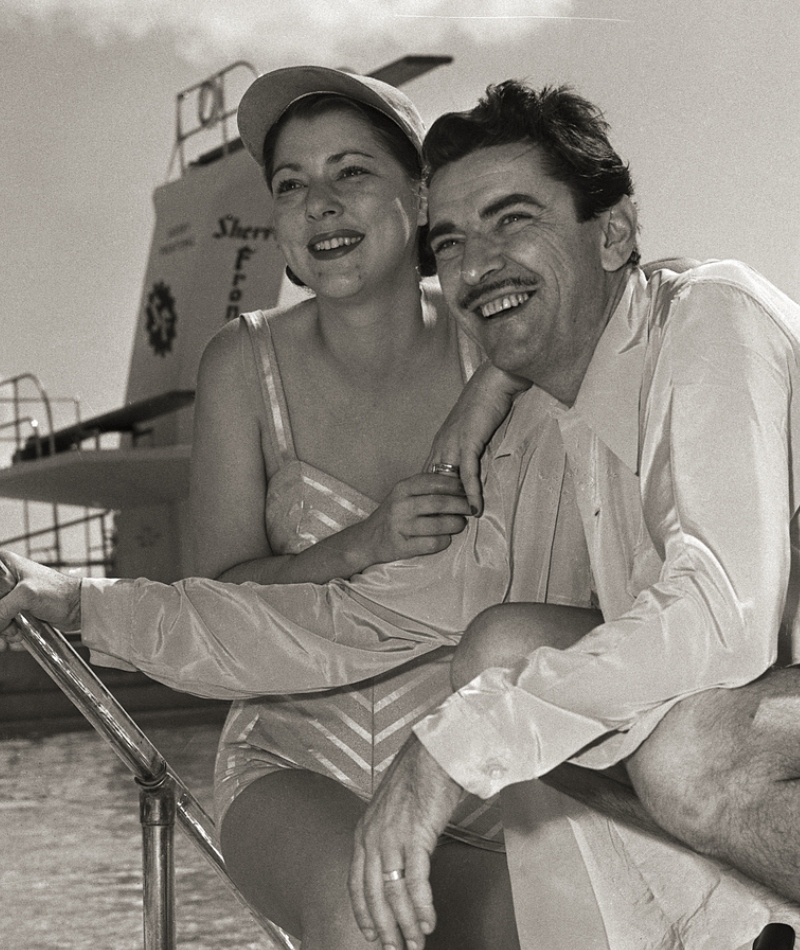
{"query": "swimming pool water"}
[(70, 848)]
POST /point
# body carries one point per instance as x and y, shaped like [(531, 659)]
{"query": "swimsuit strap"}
[(275, 409)]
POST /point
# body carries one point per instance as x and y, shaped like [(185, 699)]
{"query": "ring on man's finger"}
[(397, 875), (444, 468)]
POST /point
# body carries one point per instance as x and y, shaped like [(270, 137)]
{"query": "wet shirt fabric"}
[(682, 444), (623, 890), (244, 641)]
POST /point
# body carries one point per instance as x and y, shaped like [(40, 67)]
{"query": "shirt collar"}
[(608, 400)]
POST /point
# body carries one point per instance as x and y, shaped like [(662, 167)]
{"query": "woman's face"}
[(346, 213)]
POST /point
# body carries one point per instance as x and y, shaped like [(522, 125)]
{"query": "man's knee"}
[(492, 639), (503, 634)]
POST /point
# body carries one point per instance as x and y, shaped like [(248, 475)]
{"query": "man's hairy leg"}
[(721, 773)]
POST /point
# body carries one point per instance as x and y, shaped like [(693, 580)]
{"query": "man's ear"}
[(618, 239), (422, 215)]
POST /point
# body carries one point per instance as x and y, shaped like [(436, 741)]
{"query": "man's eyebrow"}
[(516, 198), (507, 201), (443, 227), (330, 160)]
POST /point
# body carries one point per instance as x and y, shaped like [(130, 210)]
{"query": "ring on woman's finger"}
[(397, 875), (444, 468)]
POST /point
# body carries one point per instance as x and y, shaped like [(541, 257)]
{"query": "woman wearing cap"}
[(312, 426)]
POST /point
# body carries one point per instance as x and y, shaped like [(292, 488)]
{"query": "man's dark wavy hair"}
[(569, 131)]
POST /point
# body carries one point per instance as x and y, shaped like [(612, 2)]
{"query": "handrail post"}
[(157, 816), (102, 710)]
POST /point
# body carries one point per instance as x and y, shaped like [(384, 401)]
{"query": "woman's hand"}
[(418, 516), (47, 594), (483, 404)]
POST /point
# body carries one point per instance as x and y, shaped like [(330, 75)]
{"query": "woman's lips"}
[(325, 247)]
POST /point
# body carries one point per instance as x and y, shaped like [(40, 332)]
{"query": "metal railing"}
[(163, 797), (213, 109), (98, 553), (31, 423), (17, 401)]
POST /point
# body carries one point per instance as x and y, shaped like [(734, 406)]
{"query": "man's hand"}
[(398, 834), (483, 404), (47, 594)]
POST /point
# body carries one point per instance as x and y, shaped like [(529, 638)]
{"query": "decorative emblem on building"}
[(161, 318)]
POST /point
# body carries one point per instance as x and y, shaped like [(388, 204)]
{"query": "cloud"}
[(279, 32)]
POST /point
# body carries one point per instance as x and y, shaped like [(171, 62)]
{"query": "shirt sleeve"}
[(716, 494), (234, 641)]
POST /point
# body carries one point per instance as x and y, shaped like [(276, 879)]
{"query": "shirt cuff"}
[(105, 627), (467, 747), (493, 733)]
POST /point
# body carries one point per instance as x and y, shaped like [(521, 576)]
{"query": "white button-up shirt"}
[(683, 446), (674, 477), (676, 467)]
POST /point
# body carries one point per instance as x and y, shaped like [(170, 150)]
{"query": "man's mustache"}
[(475, 294)]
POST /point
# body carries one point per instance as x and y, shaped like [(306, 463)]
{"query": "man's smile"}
[(500, 297), (503, 304)]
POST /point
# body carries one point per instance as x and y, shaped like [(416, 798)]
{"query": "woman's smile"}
[(333, 244)]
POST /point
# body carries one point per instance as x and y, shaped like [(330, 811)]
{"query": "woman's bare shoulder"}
[(221, 350), (224, 345)]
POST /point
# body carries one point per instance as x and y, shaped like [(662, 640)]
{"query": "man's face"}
[(522, 274)]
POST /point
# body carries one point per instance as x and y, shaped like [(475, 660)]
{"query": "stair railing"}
[(163, 797), (48, 544)]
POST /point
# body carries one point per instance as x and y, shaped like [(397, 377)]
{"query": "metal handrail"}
[(163, 795), (13, 382), (97, 554), (97, 516), (212, 109)]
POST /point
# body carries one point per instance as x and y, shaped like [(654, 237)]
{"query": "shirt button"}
[(495, 770)]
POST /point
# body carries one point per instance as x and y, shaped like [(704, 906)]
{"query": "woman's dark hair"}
[(388, 133), (570, 133)]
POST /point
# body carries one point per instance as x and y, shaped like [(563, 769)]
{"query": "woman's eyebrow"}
[(330, 160)]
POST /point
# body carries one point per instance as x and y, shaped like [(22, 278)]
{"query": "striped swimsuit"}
[(350, 734)]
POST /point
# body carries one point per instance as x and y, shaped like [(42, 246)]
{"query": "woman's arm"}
[(229, 486), (228, 480)]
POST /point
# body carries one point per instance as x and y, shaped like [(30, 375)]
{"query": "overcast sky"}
[(702, 97)]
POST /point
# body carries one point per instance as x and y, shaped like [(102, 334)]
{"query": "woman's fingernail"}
[(473, 509)]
